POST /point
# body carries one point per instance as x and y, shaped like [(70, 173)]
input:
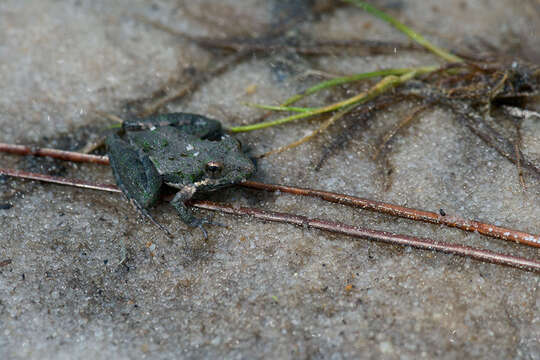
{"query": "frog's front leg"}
[(178, 202), (134, 172)]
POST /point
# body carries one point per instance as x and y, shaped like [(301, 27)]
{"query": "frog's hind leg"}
[(135, 175), (193, 124)]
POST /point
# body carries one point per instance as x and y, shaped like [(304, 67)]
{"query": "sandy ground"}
[(255, 289)]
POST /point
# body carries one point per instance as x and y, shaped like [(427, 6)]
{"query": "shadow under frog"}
[(185, 151)]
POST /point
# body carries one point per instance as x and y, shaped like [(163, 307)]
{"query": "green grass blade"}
[(385, 84), (344, 80), (406, 30), (281, 108)]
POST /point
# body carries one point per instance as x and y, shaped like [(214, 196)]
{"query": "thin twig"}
[(5, 262), (472, 119), (352, 125), (325, 125), (53, 153), (59, 180), (408, 213), (372, 205), (397, 127), (407, 31), (331, 226), (518, 164), (195, 83), (220, 68), (374, 235), (269, 45)]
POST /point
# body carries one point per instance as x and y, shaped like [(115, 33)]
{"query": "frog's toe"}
[(149, 216), (205, 234), (210, 222), (199, 223)]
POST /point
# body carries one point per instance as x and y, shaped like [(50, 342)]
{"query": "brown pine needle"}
[(53, 153), (407, 213), (5, 262), (331, 226), (59, 180), (325, 125), (372, 205), (344, 107), (192, 85), (397, 127), (109, 116), (517, 146), (375, 235)]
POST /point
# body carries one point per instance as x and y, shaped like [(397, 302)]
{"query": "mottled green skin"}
[(175, 150)]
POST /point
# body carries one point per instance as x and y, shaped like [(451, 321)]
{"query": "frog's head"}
[(228, 165)]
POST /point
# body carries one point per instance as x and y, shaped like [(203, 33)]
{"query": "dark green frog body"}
[(187, 151)]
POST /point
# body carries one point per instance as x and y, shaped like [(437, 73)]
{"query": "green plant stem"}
[(386, 83), (344, 80), (282, 108), (393, 77), (406, 30)]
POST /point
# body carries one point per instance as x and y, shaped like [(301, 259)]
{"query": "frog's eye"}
[(213, 168)]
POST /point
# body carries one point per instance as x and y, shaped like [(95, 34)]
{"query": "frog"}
[(185, 151)]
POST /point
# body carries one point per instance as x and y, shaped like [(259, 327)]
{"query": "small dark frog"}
[(186, 151)]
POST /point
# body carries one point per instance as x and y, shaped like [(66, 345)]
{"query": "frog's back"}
[(176, 155)]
